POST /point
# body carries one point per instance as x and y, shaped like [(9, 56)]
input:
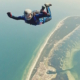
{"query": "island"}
[(55, 59)]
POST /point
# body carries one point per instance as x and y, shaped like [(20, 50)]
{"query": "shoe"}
[(43, 7), (48, 4)]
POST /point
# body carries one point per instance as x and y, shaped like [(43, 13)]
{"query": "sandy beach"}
[(42, 47)]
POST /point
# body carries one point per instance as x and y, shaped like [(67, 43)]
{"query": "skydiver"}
[(36, 17)]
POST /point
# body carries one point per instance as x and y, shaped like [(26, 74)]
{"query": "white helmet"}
[(27, 12)]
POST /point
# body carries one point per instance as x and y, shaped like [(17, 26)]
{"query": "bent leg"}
[(46, 14), (44, 20), (48, 18), (48, 11)]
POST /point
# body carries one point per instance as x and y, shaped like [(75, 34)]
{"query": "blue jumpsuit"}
[(38, 19)]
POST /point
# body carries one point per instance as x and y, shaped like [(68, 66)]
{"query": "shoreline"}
[(42, 47)]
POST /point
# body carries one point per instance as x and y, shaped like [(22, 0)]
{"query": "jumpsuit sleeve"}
[(18, 18), (14, 17)]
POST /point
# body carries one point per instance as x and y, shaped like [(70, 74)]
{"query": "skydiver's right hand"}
[(9, 14)]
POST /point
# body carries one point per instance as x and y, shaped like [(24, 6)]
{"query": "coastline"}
[(42, 47)]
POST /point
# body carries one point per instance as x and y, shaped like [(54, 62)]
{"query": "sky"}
[(60, 7), (15, 4)]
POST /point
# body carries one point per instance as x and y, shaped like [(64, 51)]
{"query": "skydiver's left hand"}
[(9, 14)]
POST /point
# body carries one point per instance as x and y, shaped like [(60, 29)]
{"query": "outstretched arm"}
[(14, 17)]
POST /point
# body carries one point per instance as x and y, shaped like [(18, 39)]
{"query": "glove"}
[(9, 14)]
